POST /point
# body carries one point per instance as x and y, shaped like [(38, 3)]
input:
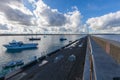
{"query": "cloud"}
[(15, 12), (15, 17), (3, 27), (47, 17), (109, 22)]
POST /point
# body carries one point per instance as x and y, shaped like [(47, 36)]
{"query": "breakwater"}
[(110, 46), (99, 65)]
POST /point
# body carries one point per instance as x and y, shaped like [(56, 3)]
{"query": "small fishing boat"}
[(35, 38), (13, 64), (32, 39), (63, 39)]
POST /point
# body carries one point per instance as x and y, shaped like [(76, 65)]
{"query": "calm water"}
[(47, 44)]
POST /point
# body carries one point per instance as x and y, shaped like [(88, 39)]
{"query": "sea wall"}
[(110, 46)]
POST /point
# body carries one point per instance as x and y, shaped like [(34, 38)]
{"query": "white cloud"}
[(14, 15), (17, 18), (47, 17), (15, 12), (106, 23), (3, 27)]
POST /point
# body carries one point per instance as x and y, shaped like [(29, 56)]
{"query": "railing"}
[(89, 74), (92, 61), (98, 64)]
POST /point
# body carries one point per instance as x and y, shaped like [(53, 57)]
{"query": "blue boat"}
[(13, 64), (20, 45), (63, 39)]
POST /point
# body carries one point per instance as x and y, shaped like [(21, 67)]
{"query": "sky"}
[(59, 16)]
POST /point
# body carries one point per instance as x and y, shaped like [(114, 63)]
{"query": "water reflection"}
[(48, 43), (19, 50)]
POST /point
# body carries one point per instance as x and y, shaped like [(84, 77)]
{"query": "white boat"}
[(20, 45)]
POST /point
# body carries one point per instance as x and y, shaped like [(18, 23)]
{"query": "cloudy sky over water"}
[(59, 16)]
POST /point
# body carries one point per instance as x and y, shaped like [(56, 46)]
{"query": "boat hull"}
[(24, 46), (12, 64), (63, 39), (32, 39)]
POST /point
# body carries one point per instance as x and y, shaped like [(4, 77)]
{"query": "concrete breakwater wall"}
[(110, 46)]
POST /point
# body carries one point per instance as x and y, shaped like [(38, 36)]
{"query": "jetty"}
[(87, 58)]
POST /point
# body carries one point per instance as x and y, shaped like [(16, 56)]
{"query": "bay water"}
[(47, 44)]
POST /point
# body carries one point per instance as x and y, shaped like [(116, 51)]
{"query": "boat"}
[(32, 39), (13, 64), (14, 45), (63, 39)]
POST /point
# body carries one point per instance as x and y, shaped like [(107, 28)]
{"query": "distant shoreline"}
[(35, 34), (54, 34)]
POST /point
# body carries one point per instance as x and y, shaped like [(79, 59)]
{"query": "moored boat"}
[(20, 45), (32, 39), (63, 39), (13, 64)]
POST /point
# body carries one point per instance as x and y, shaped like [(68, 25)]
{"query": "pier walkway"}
[(99, 65)]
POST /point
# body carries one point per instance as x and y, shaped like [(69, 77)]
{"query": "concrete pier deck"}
[(105, 65), (58, 66), (110, 46)]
